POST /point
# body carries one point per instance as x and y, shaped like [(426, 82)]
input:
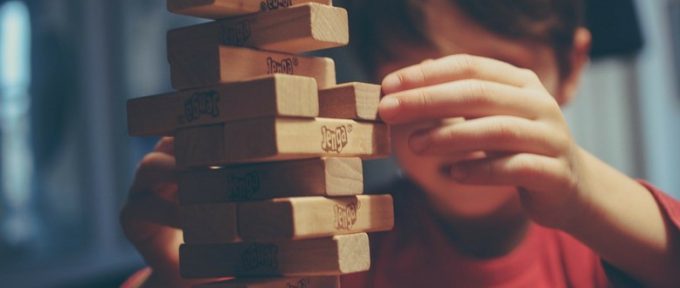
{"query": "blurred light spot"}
[(18, 221)]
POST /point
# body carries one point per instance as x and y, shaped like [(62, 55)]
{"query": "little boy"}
[(495, 191)]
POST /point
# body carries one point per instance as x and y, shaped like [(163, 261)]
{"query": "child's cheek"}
[(427, 171)]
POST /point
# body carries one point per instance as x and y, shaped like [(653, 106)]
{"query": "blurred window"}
[(675, 27), (19, 226)]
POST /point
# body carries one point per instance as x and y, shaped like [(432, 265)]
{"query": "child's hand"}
[(150, 216), (510, 116), (525, 142)]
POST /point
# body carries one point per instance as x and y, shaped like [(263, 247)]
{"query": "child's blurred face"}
[(453, 33)]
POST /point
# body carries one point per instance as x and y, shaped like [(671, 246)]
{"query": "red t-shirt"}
[(417, 253)]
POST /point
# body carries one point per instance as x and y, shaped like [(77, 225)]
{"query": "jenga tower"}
[(269, 147)]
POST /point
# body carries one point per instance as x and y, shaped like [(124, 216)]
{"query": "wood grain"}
[(216, 9), (298, 29), (296, 282), (276, 139), (193, 66), (313, 217), (312, 177), (210, 223), (338, 255), (274, 95), (293, 218), (358, 101)]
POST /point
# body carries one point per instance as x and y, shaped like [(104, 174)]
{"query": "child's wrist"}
[(575, 209), (582, 204)]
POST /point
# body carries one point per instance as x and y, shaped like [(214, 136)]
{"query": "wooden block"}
[(194, 66), (296, 29), (296, 282), (276, 139), (314, 257), (312, 177), (358, 101), (274, 95), (216, 9), (209, 223), (292, 218), (314, 217)]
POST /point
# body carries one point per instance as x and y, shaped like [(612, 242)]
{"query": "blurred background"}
[(68, 66)]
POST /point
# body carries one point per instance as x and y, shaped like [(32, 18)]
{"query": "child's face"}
[(454, 33)]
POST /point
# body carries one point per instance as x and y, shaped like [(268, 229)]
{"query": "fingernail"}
[(419, 142), (390, 83), (459, 173), (388, 107)]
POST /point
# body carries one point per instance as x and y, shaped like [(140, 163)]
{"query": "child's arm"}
[(150, 217), (625, 225), (562, 186)]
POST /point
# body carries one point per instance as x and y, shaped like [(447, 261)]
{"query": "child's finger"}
[(496, 133), (166, 145), (152, 208), (530, 171), (149, 224), (153, 194), (458, 67), (465, 98), (156, 170)]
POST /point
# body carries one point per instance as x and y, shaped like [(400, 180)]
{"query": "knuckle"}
[(421, 72), (403, 78), (554, 106), (148, 160), (422, 98), (472, 86), (464, 64), (165, 141), (562, 141), (476, 92), (165, 144), (412, 76), (527, 168), (548, 101), (448, 134), (146, 169), (506, 132), (546, 105), (530, 75), (545, 102)]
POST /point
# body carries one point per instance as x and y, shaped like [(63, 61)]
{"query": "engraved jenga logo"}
[(335, 139), (236, 34), (286, 65), (346, 215), (201, 103), (243, 187), (303, 283), (275, 4), (260, 256)]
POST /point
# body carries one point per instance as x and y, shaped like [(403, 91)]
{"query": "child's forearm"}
[(623, 223)]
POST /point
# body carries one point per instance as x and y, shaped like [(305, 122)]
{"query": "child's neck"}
[(490, 236)]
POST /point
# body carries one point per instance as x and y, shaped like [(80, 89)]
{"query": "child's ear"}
[(579, 57)]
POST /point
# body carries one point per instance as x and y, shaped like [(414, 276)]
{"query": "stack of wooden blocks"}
[(269, 147)]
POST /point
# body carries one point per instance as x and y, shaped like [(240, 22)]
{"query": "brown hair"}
[(375, 24)]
